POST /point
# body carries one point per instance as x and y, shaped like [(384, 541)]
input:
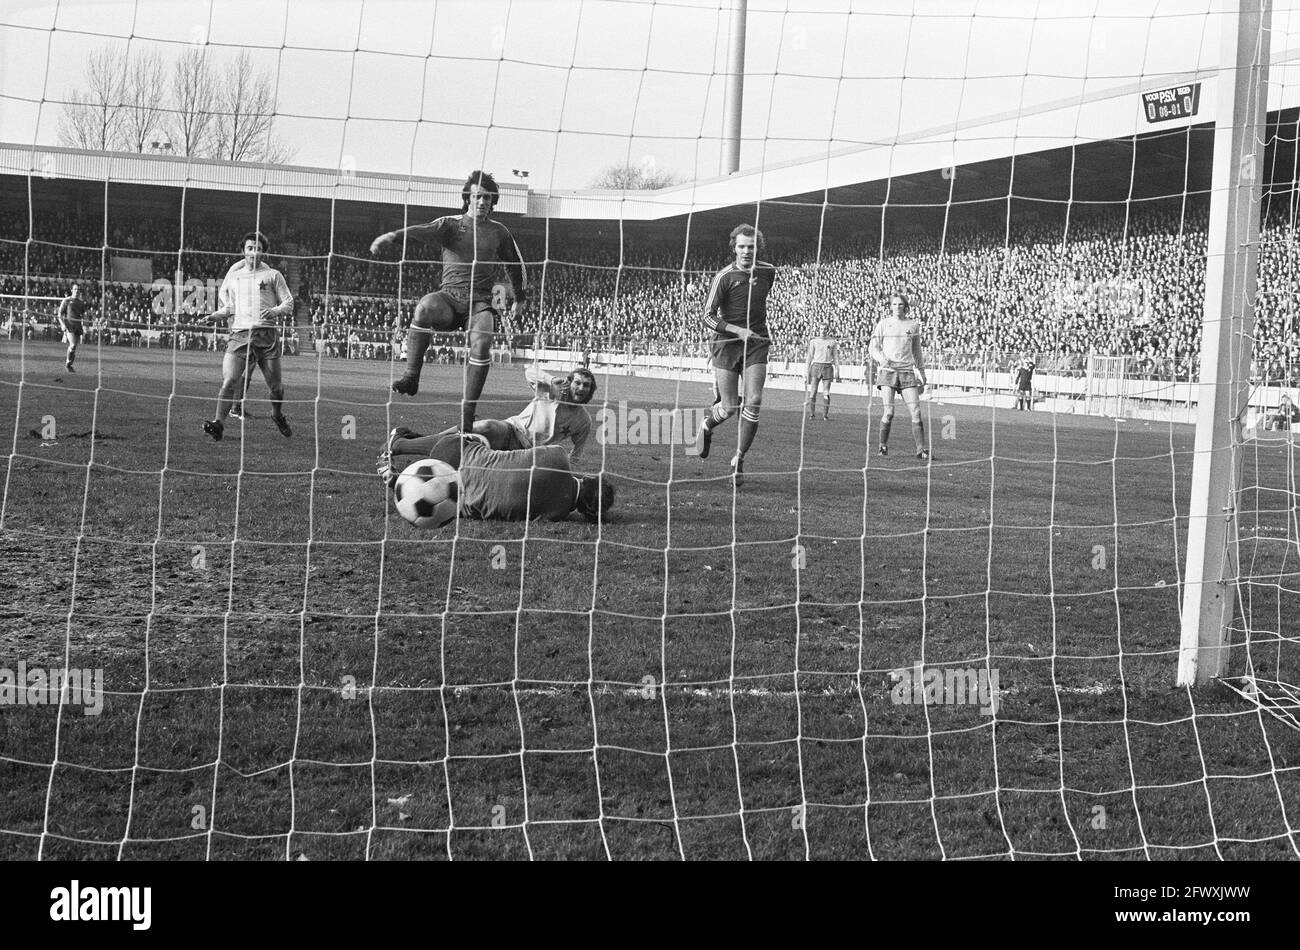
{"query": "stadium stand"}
[(1058, 285)]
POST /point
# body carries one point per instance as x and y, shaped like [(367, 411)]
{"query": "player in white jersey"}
[(258, 298), (900, 368), (823, 367), (554, 416)]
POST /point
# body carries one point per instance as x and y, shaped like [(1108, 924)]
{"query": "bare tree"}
[(93, 117), (642, 177), (192, 123), (246, 117), (142, 100), (227, 114)]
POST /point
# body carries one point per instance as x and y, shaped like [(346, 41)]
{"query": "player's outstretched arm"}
[(542, 382), (422, 232)]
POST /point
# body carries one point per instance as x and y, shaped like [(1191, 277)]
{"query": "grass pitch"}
[(293, 672)]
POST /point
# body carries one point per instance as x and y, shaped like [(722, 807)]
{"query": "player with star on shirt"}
[(258, 297)]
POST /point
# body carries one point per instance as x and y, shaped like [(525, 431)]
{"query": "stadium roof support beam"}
[(1227, 330), (733, 107)]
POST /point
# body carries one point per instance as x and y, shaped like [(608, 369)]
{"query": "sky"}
[(565, 88)]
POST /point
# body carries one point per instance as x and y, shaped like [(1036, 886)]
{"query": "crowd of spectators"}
[(1056, 284)]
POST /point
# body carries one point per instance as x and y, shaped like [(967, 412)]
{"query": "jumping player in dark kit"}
[(473, 247), (736, 312)]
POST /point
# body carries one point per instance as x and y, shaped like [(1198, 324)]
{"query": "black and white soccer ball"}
[(426, 493)]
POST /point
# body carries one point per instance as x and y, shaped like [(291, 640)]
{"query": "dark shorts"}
[(72, 335), (461, 306), (257, 344), (732, 355), (823, 372), (897, 379)]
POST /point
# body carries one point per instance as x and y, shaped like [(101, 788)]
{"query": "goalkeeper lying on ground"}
[(554, 416), (517, 485)]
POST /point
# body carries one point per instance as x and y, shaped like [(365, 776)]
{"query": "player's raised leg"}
[(482, 326), (435, 313), (237, 411), (726, 387), (236, 367), (270, 365)]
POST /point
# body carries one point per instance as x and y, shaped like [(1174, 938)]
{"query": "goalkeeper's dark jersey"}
[(516, 486)]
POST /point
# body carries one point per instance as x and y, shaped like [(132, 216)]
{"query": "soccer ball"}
[(425, 493)]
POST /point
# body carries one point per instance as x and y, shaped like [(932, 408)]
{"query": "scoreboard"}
[(1176, 102)]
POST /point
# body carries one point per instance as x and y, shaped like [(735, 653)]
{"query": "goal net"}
[(925, 621), (1107, 376)]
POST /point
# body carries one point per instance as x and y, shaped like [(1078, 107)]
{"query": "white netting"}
[(850, 655)]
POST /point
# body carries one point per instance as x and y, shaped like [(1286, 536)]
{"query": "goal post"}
[(1228, 324), (1105, 386)]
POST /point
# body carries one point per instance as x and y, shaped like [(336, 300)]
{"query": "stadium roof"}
[(1099, 145)]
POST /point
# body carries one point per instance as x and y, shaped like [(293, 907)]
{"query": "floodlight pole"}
[(1227, 329), (733, 104)]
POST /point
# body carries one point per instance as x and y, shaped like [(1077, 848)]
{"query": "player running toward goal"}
[(258, 297), (736, 312), (71, 310), (473, 247), (900, 362), (823, 367)]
